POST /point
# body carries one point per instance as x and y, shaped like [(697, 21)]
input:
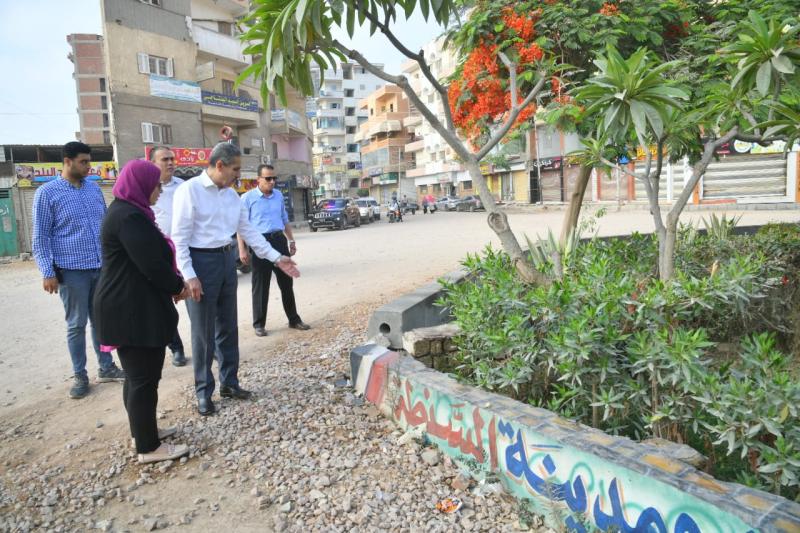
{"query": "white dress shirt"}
[(163, 207), (205, 216)]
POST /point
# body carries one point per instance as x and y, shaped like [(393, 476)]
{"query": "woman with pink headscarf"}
[(134, 302)]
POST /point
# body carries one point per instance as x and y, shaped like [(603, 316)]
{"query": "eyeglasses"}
[(268, 178)]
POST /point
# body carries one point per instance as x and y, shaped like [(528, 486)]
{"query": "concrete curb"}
[(573, 475)]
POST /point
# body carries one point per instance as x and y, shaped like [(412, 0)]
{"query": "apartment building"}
[(91, 88), (383, 138), (433, 167), (336, 118), (166, 74)]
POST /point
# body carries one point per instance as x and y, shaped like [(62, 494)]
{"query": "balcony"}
[(415, 146), (289, 122), (413, 120), (219, 45), (330, 112), (327, 93)]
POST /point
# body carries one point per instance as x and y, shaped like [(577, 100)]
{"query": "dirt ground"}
[(345, 276)]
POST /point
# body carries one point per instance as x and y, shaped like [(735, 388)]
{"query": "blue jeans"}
[(77, 292)]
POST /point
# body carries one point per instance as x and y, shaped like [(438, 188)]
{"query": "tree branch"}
[(697, 172), (756, 138), (515, 110), (449, 136)]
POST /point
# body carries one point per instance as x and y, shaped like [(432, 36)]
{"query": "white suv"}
[(369, 208), (366, 210)]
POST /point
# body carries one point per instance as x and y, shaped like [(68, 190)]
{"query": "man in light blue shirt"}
[(267, 213)]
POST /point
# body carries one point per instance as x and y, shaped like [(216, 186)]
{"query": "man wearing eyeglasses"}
[(267, 213)]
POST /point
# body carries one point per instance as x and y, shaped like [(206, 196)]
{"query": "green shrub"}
[(609, 344)]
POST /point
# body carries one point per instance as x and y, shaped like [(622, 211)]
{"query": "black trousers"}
[(262, 277), (142, 367), (176, 343)]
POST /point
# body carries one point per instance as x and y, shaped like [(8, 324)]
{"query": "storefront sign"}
[(548, 163), (230, 101), (187, 157), (377, 171), (29, 173), (173, 89)]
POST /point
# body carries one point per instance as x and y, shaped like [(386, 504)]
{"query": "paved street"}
[(365, 265), (69, 461)]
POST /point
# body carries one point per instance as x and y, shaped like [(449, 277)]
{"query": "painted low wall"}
[(573, 475)]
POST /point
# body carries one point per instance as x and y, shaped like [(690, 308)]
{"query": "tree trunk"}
[(666, 250), (573, 212), (498, 221)]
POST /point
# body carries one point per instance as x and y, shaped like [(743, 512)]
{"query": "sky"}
[(38, 100)]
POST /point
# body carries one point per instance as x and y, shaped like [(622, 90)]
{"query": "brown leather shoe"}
[(302, 326)]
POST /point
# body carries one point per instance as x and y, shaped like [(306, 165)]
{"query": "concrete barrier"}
[(577, 477)]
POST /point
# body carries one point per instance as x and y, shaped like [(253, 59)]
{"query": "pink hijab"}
[(136, 183)]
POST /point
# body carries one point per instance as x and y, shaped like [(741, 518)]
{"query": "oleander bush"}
[(707, 358)]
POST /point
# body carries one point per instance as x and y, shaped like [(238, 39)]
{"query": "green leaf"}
[(763, 78), (639, 118), (783, 64)]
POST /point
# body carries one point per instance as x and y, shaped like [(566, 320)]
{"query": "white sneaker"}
[(162, 434), (165, 452)]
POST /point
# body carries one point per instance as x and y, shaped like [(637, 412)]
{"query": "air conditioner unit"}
[(265, 160)]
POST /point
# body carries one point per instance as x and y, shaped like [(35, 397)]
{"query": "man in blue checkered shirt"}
[(67, 213)]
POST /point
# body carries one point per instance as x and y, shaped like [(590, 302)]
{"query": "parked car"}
[(469, 203), (376, 207), (366, 210), (447, 203), (335, 213)]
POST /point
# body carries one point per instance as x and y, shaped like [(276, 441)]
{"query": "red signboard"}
[(187, 157)]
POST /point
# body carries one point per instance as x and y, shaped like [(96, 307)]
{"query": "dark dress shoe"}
[(261, 332), (206, 407), (178, 358), (234, 391), (302, 326)]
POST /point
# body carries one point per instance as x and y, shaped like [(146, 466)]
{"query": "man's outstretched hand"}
[(288, 266)]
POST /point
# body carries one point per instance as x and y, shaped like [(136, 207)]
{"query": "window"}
[(391, 108), (351, 129), (274, 150), (151, 2), (102, 85), (227, 88), (156, 133), (352, 148), (244, 94), (334, 105), (103, 102), (362, 87), (160, 66), (225, 28), (106, 137), (350, 111), (349, 93), (105, 120), (468, 185), (433, 156)]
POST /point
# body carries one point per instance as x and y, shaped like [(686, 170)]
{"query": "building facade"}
[(169, 69), (432, 164), (91, 87), (383, 138), (337, 115)]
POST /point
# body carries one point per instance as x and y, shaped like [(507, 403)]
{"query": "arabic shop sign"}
[(592, 491), (29, 173), (173, 89), (187, 157), (230, 101)]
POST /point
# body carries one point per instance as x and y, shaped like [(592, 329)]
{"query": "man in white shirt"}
[(206, 215), (164, 158)]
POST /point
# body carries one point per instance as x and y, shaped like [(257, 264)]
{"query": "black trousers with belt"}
[(142, 367), (262, 277)]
